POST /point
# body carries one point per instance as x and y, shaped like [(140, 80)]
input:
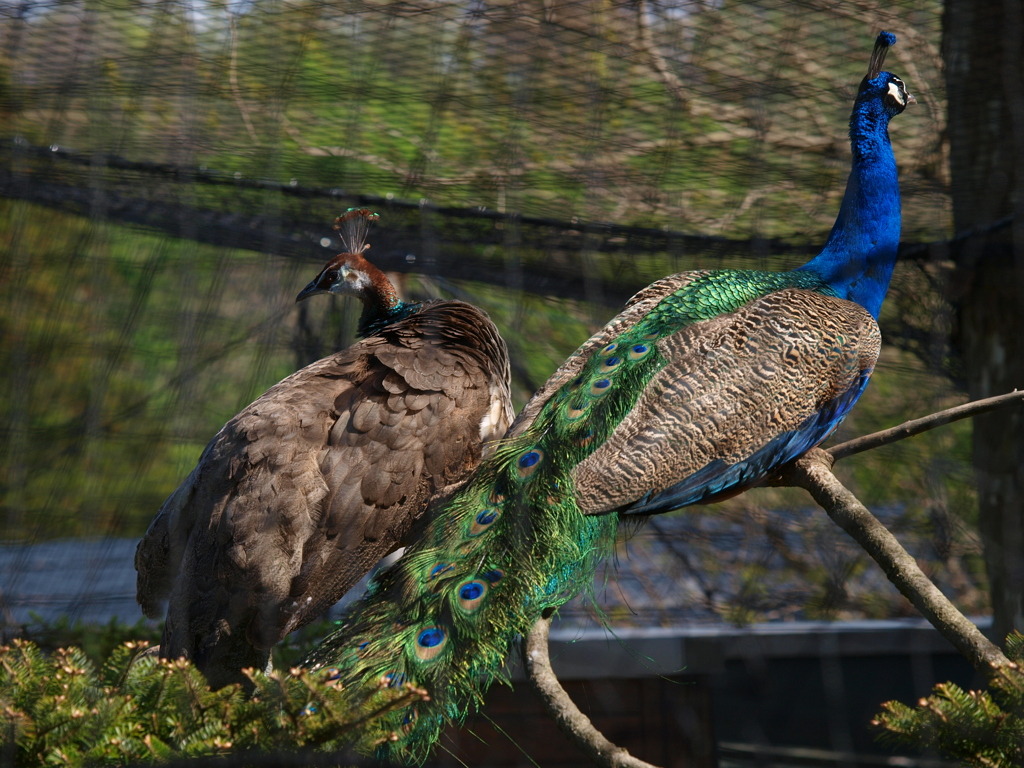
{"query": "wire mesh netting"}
[(169, 168), (170, 171)]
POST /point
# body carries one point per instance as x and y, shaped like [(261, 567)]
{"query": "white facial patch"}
[(897, 94)]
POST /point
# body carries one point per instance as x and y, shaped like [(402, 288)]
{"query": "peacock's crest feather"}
[(883, 43), (353, 226)]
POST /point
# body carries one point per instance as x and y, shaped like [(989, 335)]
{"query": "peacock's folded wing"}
[(739, 394)]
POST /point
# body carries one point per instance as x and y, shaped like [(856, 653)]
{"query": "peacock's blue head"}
[(886, 90), (857, 260), (883, 90)]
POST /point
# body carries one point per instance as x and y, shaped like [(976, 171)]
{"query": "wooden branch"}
[(917, 426), (233, 81), (813, 473), (573, 723)]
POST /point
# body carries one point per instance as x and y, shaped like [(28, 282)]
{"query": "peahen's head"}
[(349, 274), (883, 91)]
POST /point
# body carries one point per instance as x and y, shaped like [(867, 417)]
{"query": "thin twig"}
[(645, 43), (813, 473), (917, 426), (233, 81), (573, 723)]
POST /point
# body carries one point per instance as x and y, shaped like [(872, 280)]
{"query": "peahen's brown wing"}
[(302, 492)]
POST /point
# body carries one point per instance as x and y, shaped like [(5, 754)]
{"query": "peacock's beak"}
[(310, 290), (911, 99)]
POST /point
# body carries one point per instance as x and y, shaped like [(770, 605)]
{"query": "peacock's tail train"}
[(513, 540)]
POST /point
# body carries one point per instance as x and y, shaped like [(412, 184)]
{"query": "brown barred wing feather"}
[(739, 393), (301, 493)]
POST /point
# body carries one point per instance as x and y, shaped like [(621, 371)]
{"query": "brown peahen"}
[(704, 384), (301, 493)]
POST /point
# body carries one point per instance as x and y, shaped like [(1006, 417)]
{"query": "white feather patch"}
[(493, 425)]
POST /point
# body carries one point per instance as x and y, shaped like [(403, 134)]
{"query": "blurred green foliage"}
[(103, 357), (127, 351), (124, 351), (554, 109)]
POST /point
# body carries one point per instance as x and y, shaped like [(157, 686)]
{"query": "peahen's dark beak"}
[(310, 290)]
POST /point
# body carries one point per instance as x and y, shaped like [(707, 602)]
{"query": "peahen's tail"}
[(444, 616)]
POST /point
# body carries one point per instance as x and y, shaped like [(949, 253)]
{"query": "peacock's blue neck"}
[(377, 316), (857, 261)]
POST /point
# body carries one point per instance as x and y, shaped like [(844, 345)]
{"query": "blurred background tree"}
[(983, 45)]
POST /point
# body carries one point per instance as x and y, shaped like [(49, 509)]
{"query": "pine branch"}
[(979, 728), (141, 709)]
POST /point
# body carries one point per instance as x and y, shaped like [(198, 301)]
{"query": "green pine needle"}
[(980, 728), (61, 709)]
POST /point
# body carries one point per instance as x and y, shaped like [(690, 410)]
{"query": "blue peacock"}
[(702, 385)]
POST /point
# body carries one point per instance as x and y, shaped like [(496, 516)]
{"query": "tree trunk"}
[(985, 84)]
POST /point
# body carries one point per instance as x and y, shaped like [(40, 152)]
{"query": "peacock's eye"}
[(331, 276)]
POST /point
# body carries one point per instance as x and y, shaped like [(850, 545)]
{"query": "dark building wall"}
[(768, 692), (665, 721), (822, 703)]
